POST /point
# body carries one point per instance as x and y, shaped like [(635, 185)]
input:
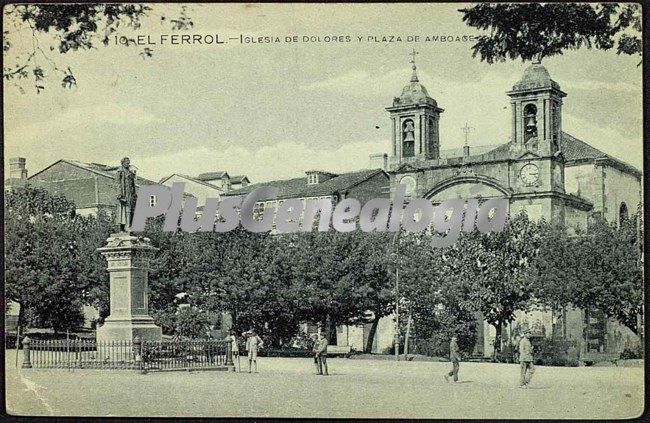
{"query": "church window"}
[(622, 213), (530, 121), (555, 124), (408, 138), (152, 201), (431, 132)]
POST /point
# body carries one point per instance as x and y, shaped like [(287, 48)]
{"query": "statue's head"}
[(126, 162)]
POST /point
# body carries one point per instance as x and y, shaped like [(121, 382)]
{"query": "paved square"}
[(288, 387)]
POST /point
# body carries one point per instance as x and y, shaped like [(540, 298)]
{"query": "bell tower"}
[(536, 102), (415, 123)]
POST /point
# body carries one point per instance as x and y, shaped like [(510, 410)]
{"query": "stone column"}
[(128, 265)]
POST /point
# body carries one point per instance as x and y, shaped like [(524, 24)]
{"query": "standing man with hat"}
[(525, 359), (454, 357)]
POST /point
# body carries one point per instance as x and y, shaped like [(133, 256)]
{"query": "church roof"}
[(535, 76), (574, 151), (414, 93), (298, 187)]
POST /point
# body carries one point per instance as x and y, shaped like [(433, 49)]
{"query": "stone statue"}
[(126, 196)]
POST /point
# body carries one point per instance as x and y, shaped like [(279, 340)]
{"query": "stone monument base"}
[(115, 329)]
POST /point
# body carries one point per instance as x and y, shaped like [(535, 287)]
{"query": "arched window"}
[(408, 138), (431, 133), (530, 121), (555, 124), (622, 214)]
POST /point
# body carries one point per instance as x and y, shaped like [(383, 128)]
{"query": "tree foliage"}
[(57, 29), (40, 259), (274, 282), (529, 30)]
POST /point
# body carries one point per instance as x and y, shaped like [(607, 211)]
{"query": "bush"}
[(632, 353), (556, 352), (191, 323)]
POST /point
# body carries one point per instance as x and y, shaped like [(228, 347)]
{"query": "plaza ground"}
[(288, 387)]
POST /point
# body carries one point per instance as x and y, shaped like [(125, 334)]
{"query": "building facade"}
[(541, 170)]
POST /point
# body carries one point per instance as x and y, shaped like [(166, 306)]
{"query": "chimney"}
[(17, 169), (379, 160)]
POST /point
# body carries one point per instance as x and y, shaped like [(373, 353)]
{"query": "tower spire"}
[(414, 77)]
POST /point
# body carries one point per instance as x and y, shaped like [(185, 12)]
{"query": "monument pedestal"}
[(128, 264)]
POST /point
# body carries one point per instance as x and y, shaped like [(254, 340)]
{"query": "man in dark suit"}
[(321, 353), (454, 357)]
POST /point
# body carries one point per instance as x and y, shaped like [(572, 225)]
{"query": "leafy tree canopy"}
[(57, 29), (529, 30)]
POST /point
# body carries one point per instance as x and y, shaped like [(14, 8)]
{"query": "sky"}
[(274, 110)]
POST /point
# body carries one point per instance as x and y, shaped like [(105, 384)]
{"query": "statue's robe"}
[(125, 179)]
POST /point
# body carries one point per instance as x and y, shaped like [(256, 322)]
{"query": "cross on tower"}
[(466, 129), (414, 77), (413, 53)]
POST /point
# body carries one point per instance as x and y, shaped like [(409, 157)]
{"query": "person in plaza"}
[(253, 344), (454, 357), (315, 341), (321, 354), (525, 360), (234, 345)]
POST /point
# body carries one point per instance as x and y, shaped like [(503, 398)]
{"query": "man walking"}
[(454, 357), (525, 360), (253, 343), (321, 354), (315, 344)]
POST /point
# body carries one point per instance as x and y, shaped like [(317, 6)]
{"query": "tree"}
[(555, 271), (488, 271), (92, 232), (610, 277), (41, 266), (191, 323), (65, 28), (433, 298), (368, 281), (530, 30)]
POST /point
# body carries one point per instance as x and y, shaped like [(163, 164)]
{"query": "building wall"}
[(85, 188), (606, 186), (620, 187)]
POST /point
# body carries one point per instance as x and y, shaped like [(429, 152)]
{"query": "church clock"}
[(529, 174)]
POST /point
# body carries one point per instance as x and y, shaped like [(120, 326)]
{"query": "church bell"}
[(531, 123), (409, 136)]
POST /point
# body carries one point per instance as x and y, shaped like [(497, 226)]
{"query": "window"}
[(152, 201), (312, 178), (622, 214), (258, 211), (530, 121), (431, 138), (408, 138)]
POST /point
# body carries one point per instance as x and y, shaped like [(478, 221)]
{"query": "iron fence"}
[(135, 355)]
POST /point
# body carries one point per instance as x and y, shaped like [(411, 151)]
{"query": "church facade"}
[(541, 170)]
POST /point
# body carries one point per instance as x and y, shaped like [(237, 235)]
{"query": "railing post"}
[(229, 362), (137, 350), (27, 363)]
